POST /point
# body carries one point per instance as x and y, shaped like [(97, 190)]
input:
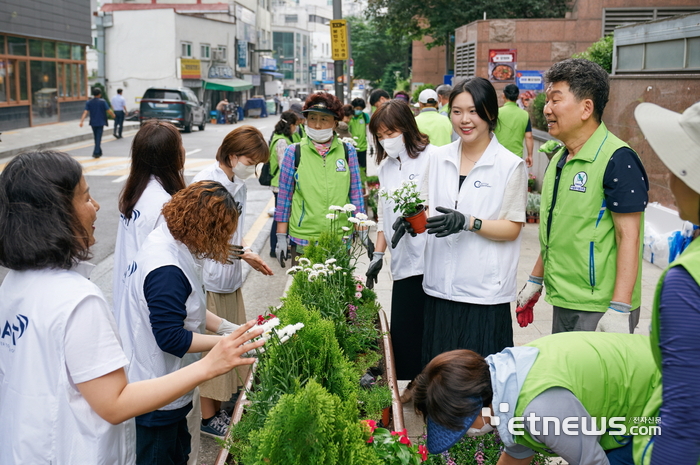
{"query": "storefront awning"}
[(272, 73), (233, 85)]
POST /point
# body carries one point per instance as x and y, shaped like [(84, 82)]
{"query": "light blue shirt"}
[(118, 103)]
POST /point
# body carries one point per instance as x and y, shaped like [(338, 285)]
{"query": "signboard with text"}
[(529, 80), (190, 68), (242, 54), (339, 39), (502, 65)]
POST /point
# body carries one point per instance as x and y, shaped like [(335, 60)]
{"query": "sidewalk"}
[(50, 136)]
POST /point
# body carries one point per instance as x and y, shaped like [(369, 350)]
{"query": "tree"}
[(600, 52), (378, 56), (438, 19)]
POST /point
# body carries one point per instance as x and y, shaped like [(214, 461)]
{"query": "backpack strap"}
[(297, 154)]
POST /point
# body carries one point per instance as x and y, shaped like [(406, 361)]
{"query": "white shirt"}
[(146, 216), (217, 277), (58, 332), (407, 259), (466, 267), (118, 103)]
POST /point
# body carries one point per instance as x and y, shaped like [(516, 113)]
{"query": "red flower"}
[(262, 319), (370, 440), (423, 451), (395, 433), (405, 440), (372, 425)]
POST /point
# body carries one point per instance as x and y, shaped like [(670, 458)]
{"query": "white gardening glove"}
[(616, 319), (282, 249), (226, 327), (531, 289)]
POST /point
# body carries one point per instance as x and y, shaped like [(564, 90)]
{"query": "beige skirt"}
[(231, 307)]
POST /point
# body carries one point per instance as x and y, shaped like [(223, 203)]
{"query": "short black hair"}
[(96, 92), (119, 91), (484, 95), (38, 225), (358, 102), (586, 79), (376, 95), (511, 92)]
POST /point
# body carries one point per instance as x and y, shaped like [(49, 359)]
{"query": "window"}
[(64, 51), (319, 19), (291, 18), (16, 46), (186, 49), (465, 60), (661, 56), (222, 51), (205, 51)]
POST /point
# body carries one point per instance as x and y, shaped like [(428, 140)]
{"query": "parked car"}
[(179, 106)]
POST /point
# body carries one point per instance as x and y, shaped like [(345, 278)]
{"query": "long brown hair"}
[(156, 151), (396, 115), (244, 141)]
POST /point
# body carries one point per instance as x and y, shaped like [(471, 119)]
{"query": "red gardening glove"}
[(524, 313)]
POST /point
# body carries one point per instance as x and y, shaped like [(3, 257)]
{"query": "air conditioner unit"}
[(217, 55)]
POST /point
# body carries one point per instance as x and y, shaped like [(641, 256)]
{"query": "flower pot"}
[(418, 220)]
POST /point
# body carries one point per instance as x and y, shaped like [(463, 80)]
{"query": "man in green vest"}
[(358, 128), (514, 125), (594, 194), (301, 121), (574, 395), (432, 123)]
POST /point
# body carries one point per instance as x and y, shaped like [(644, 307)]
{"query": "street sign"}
[(529, 80), (339, 39)]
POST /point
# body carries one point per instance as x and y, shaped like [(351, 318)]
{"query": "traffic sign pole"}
[(338, 38)]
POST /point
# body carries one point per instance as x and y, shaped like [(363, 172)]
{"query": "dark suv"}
[(178, 106)]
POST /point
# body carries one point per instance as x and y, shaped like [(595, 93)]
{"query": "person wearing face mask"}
[(542, 397), (358, 128), (240, 152), (325, 173), (403, 153)]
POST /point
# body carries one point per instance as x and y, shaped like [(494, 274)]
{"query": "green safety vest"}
[(274, 162), (358, 128), (690, 260), (319, 183), (510, 130), (436, 126), (299, 134), (612, 375), (577, 236)]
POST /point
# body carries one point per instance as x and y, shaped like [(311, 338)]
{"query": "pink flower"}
[(359, 287), (358, 295), (372, 425)]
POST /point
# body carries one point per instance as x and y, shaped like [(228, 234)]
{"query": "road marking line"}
[(121, 178), (254, 230), (104, 163), (193, 152)]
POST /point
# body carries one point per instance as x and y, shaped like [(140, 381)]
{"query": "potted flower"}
[(407, 199), (531, 183), (532, 211), (394, 448)]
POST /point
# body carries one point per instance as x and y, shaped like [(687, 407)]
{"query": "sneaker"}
[(271, 212), (216, 427), (225, 417)]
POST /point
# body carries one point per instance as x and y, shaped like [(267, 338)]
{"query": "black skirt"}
[(448, 325), (407, 305)]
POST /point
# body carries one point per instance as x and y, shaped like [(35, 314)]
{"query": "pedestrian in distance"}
[(514, 124), (221, 111), (98, 109), (63, 355), (301, 122), (443, 92), (594, 194), (477, 196), (575, 395), (430, 122), (358, 128), (675, 319), (119, 108), (402, 95), (378, 97), (343, 129), (403, 154), (236, 159)]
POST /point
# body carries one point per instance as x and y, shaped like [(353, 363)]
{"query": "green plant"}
[(533, 203), (537, 112), (531, 182), (374, 400), (420, 89), (600, 52), (394, 448), (405, 198)]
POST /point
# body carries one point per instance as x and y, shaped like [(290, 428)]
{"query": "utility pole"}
[(338, 64)]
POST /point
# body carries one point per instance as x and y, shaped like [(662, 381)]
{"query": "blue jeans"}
[(163, 445), (118, 123), (97, 132)]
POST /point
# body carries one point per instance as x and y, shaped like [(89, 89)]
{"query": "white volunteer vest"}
[(146, 360), (43, 416), (131, 233), (407, 259), (218, 277), (466, 267)]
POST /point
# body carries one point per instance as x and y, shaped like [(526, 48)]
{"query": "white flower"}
[(345, 228), (304, 261), (349, 140), (291, 271), (367, 223), (353, 220), (361, 216), (330, 261), (348, 207), (322, 273), (336, 208), (358, 295), (383, 191), (330, 216), (319, 266), (312, 276)]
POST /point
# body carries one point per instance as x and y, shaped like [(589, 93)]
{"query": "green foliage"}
[(420, 89), (310, 427), (600, 52), (537, 112), (373, 401), (406, 198), (396, 449)]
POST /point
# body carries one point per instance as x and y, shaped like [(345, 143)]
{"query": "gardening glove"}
[(226, 327), (367, 242), (373, 269), (282, 248), (527, 298), (616, 319), (451, 222), (235, 252), (401, 227)]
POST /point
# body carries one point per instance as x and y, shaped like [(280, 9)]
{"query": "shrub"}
[(600, 52), (537, 112)]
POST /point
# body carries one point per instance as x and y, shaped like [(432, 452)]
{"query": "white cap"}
[(675, 138), (427, 95)]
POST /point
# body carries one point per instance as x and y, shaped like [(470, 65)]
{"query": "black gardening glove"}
[(450, 223), (401, 227), (373, 269)]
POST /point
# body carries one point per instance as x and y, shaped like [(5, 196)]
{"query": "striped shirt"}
[(286, 184)]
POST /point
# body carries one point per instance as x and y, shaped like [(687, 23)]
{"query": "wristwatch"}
[(477, 225)]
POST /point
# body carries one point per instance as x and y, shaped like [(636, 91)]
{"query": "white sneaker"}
[(271, 212)]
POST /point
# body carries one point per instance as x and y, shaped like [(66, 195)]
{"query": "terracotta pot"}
[(386, 417), (418, 220)]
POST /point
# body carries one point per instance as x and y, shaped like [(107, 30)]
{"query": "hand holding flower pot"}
[(407, 200)]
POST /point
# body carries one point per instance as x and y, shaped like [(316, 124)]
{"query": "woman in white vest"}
[(239, 154), (61, 361), (157, 162), (403, 153), (477, 191)]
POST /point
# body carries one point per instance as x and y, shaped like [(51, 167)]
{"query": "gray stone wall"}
[(64, 20)]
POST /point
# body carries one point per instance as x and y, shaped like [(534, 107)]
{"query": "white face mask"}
[(394, 146), (242, 171), (319, 135), (474, 432)]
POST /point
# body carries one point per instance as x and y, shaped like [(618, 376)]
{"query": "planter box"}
[(392, 382)]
